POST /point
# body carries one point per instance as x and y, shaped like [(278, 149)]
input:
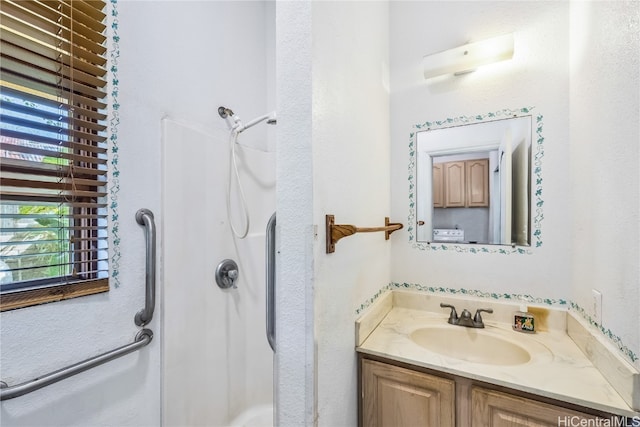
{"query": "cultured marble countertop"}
[(558, 369)]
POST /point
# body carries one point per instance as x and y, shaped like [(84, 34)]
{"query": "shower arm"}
[(239, 127)]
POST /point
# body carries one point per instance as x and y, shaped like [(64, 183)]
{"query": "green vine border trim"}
[(615, 340), (508, 297), (114, 122), (464, 292), (537, 171)]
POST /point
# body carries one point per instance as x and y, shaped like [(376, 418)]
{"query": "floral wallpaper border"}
[(114, 122), (537, 171), (616, 340), (613, 338), (462, 291)]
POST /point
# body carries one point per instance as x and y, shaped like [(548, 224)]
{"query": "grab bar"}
[(271, 281), (144, 337), (144, 316)]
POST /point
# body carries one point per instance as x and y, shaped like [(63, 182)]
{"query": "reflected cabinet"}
[(461, 184)]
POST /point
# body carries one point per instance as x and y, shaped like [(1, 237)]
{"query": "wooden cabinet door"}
[(438, 186), (454, 181), (491, 408), (477, 174), (461, 184), (398, 397)]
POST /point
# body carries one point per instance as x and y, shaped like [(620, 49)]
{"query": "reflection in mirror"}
[(474, 183)]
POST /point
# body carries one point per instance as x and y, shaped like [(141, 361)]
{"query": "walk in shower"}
[(217, 363)]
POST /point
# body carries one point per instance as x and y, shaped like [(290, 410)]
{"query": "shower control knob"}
[(227, 274)]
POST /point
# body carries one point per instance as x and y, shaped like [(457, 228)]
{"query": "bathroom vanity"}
[(416, 369), (396, 394)]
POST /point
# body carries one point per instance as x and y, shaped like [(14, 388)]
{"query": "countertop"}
[(558, 369)]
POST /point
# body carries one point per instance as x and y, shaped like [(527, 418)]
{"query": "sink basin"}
[(471, 345)]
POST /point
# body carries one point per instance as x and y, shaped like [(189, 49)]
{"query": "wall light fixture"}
[(467, 58)]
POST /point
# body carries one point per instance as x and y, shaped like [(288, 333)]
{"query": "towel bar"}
[(335, 232)]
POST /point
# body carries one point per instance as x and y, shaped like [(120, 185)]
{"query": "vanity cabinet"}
[(497, 409), (398, 397), (394, 394), (461, 184)]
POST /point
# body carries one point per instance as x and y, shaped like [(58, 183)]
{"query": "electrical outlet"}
[(596, 308)]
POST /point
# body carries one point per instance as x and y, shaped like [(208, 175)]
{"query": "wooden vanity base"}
[(394, 394)]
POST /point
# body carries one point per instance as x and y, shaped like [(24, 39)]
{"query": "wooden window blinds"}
[(53, 151)]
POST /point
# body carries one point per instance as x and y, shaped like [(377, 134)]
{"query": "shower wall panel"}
[(216, 359)]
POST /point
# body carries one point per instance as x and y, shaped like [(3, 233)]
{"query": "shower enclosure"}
[(217, 366), (217, 363)]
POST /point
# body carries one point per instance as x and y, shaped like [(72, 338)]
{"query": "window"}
[(53, 151)]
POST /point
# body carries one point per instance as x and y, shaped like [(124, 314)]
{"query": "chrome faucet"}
[(465, 317)]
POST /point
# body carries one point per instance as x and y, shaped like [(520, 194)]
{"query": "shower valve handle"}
[(227, 274)]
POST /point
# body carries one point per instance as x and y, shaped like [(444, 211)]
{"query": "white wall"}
[(577, 64), (536, 77), (605, 159), (41, 339), (332, 159), (295, 350), (351, 181)]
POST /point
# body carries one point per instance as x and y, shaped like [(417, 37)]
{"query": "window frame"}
[(86, 229)]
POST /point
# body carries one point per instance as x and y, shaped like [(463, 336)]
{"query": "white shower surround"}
[(217, 363)]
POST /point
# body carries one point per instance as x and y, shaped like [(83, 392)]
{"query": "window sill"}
[(31, 297)]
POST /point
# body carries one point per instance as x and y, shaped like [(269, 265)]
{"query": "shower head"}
[(225, 112)]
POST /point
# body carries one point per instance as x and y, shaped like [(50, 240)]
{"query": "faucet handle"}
[(477, 318), (453, 316)]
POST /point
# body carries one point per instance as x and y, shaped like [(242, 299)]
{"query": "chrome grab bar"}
[(144, 316), (144, 337), (271, 281)]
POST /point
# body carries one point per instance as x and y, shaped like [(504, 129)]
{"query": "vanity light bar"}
[(467, 58)]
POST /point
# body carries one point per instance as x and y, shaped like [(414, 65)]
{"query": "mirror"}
[(473, 181)]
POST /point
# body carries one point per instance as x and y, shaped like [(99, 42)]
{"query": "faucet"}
[(465, 317)]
